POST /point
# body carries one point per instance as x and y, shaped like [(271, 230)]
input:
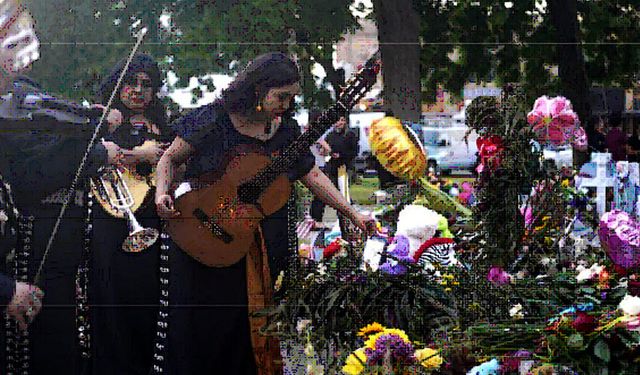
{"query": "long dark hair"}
[(265, 72), (141, 63)]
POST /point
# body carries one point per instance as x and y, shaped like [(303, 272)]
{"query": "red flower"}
[(633, 288), (333, 248), (490, 151), (584, 322)]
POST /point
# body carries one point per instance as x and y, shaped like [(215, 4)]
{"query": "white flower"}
[(302, 325), (516, 312), (373, 250), (588, 273), (545, 261), (630, 305), (322, 269)]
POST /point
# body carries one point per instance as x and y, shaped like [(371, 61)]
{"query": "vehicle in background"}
[(447, 149)]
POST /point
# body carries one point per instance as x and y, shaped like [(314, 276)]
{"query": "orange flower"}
[(370, 329)]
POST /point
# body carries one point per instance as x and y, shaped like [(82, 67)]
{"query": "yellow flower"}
[(398, 332), (371, 341), (370, 329), (565, 183), (429, 358), (355, 362)]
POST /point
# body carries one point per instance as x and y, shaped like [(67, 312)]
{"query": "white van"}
[(446, 147)]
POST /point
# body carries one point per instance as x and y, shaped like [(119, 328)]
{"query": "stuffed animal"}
[(418, 224), (398, 255)]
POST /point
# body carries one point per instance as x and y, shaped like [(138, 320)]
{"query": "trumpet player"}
[(123, 283)]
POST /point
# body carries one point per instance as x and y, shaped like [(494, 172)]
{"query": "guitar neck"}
[(289, 156)]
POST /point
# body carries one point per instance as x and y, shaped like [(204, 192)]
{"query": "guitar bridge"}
[(215, 229)]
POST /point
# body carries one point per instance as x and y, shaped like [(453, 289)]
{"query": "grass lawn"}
[(362, 191)]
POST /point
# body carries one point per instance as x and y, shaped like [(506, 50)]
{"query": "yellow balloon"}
[(397, 148)]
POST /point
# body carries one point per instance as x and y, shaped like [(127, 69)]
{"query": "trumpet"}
[(113, 189)]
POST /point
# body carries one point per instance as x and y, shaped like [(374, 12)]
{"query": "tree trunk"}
[(398, 31), (571, 66)]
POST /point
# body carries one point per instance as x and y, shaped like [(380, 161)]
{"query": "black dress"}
[(123, 287), (346, 145), (40, 166), (208, 321)]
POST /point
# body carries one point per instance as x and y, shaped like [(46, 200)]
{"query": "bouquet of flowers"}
[(555, 123), (389, 351)]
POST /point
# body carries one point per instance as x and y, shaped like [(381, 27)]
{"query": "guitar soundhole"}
[(248, 193), (215, 229)]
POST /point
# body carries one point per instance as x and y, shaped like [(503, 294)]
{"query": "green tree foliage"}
[(232, 33), (82, 40), (492, 41)]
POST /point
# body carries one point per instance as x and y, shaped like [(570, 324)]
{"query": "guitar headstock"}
[(358, 85)]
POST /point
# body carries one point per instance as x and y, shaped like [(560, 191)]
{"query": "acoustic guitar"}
[(220, 218)]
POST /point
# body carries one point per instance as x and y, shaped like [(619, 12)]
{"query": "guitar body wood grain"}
[(214, 227)]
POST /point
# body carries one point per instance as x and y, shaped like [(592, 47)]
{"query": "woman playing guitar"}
[(211, 332)]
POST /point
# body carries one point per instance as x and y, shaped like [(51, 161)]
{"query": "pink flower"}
[(580, 142), (498, 276), (466, 194), (553, 120), (528, 216)]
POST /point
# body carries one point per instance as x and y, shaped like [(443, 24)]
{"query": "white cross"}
[(601, 182)]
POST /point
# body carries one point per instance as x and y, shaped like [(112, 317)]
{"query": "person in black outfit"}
[(216, 337), (342, 146), (20, 300), (39, 163), (40, 166), (598, 140), (124, 291), (634, 144)]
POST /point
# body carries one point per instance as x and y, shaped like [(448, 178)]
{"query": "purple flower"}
[(498, 276), (401, 253), (399, 350)]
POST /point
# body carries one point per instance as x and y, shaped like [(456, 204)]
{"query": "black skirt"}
[(208, 318), (123, 295)]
